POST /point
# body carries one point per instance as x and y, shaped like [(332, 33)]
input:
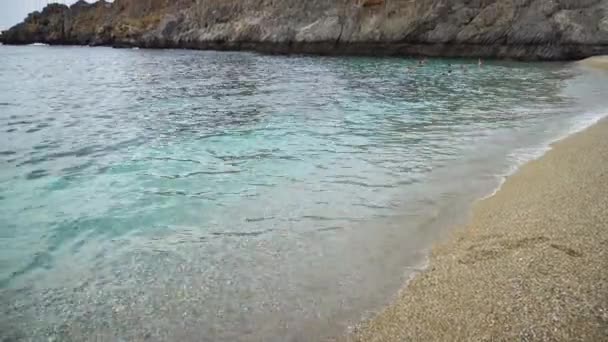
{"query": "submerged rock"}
[(522, 29)]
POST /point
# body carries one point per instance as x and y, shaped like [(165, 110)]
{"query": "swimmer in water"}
[(480, 63)]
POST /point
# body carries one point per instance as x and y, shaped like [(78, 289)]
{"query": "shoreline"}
[(524, 53), (595, 62), (590, 59), (439, 303)]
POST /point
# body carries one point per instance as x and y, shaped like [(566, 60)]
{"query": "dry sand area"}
[(598, 62), (532, 265)]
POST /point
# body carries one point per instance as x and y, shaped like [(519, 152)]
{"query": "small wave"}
[(35, 129), (171, 193), (81, 152), (175, 159), (21, 122), (259, 219), (197, 173), (372, 206), (168, 193), (46, 145), (36, 174), (362, 184), (40, 260), (255, 156), (329, 229), (266, 185), (349, 176), (325, 218), (77, 168), (521, 156), (242, 234), (211, 135)]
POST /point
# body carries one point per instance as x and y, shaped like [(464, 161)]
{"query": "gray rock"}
[(522, 29)]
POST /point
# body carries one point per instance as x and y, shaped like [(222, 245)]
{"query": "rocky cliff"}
[(523, 29)]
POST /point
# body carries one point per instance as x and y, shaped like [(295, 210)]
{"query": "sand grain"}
[(532, 265)]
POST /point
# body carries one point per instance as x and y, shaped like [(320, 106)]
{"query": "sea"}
[(176, 195)]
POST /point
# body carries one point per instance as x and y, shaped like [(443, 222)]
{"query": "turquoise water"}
[(186, 195)]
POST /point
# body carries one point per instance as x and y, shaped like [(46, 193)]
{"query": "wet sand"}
[(530, 266)]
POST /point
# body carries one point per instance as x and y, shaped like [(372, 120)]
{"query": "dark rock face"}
[(522, 29)]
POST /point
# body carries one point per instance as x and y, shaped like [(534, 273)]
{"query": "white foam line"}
[(523, 156)]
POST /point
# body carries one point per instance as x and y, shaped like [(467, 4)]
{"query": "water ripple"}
[(125, 173), (36, 174), (242, 234), (197, 173)]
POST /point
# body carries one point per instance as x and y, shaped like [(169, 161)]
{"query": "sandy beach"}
[(597, 62), (530, 266)]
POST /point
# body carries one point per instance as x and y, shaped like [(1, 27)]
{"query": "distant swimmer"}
[(480, 63)]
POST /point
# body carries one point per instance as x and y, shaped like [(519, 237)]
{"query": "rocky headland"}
[(520, 29)]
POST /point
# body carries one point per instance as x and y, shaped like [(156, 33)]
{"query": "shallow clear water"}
[(186, 195)]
